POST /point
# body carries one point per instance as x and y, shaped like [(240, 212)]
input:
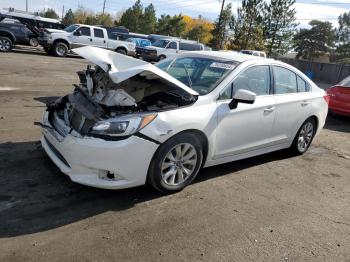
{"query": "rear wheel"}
[(176, 163), (33, 42), (6, 44), (161, 57), (304, 137), (60, 49), (121, 51)]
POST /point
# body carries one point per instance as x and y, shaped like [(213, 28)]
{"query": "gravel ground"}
[(268, 208)]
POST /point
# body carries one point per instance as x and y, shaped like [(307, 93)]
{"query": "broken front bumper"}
[(99, 163)]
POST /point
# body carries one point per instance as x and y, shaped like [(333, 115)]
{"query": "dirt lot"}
[(268, 208)]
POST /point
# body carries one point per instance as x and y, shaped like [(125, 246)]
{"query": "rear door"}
[(293, 103), (99, 38)]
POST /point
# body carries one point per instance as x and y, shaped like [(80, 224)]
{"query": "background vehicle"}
[(253, 52), (15, 33), (167, 48), (339, 97), (78, 35), (197, 110)]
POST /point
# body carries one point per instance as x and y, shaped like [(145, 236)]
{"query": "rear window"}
[(98, 33), (189, 47)]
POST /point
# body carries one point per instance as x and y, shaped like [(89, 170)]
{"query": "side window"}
[(285, 81), (172, 45), (255, 79), (302, 85), (98, 33), (85, 31)]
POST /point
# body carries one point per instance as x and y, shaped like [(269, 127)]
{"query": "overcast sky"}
[(306, 9)]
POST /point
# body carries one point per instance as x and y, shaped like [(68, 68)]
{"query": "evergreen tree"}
[(279, 25), (149, 20), (132, 17), (68, 18), (171, 25), (49, 13), (247, 27), (343, 36), (313, 42), (220, 28)]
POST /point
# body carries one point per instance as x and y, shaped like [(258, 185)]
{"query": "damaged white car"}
[(129, 122)]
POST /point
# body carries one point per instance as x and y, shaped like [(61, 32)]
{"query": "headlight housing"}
[(122, 126)]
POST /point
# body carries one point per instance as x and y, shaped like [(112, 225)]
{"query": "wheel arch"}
[(122, 47), (9, 35), (61, 41)]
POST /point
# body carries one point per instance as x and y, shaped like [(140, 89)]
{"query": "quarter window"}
[(302, 86), (85, 31), (285, 81), (172, 45), (98, 33), (255, 79)]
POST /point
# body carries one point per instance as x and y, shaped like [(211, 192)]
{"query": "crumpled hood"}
[(121, 67)]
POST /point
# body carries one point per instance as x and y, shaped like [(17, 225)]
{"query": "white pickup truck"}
[(59, 43)]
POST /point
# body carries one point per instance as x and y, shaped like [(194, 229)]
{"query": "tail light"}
[(326, 98)]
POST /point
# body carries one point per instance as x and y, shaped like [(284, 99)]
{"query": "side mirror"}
[(242, 96), (77, 33)]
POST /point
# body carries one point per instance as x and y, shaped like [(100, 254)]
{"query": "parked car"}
[(167, 48), (78, 35), (14, 33), (140, 42), (253, 52), (130, 122), (339, 97)]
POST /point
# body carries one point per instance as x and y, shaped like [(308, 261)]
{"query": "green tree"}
[(279, 25), (132, 17), (247, 27), (343, 36), (171, 25), (149, 20), (68, 18), (104, 19), (313, 42), (49, 13), (220, 28)]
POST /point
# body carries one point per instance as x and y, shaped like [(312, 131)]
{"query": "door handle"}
[(269, 109), (305, 103)]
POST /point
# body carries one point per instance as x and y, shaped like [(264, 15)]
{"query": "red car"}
[(339, 97)]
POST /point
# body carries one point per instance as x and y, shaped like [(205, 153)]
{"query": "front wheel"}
[(6, 44), (60, 49), (304, 137), (33, 42), (176, 163), (121, 51)]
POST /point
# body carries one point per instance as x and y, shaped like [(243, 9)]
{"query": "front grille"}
[(55, 151)]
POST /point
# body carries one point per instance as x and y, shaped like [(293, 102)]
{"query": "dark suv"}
[(13, 33)]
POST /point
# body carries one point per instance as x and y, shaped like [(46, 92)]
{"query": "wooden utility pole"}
[(62, 12), (27, 6), (104, 6), (220, 21)]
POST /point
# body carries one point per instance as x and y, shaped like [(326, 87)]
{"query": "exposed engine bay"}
[(97, 98)]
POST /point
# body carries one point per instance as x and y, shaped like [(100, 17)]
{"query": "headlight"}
[(123, 126)]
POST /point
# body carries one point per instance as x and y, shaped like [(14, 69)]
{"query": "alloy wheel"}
[(179, 164), (5, 45), (305, 136)]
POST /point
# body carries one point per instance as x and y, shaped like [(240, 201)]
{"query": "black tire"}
[(121, 51), (60, 49), (155, 177), (6, 44), (161, 57), (296, 148), (33, 42)]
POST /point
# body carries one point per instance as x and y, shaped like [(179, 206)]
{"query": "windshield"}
[(71, 28), (201, 74), (160, 43)]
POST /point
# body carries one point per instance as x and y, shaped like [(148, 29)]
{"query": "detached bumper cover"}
[(87, 160)]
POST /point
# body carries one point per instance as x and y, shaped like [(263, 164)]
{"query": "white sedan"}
[(129, 122)]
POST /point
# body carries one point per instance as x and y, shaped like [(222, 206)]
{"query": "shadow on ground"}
[(35, 196), (338, 123)]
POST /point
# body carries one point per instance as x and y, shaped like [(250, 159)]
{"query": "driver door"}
[(82, 38), (249, 126)]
